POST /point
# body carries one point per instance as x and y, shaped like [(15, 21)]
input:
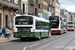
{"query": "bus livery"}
[(29, 26), (56, 25)]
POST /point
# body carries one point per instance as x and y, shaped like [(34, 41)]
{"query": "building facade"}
[(64, 13), (57, 8), (24, 6), (43, 8), (51, 6), (33, 7), (7, 9)]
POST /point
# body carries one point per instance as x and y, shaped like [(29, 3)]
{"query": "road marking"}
[(40, 48), (52, 38), (34, 44), (45, 40), (72, 48), (6, 43), (24, 48)]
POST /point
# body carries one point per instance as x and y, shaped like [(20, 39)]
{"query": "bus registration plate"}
[(23, 36), (54, 33)]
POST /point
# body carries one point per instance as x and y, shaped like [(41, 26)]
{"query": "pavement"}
[(5, 40)]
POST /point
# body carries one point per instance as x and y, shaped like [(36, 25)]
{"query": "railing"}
[(9, 4), (13, 5)]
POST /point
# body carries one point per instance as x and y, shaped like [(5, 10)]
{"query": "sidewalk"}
[(5, 40)]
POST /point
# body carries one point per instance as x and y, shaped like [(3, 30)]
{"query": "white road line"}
[(24, 48), (34, 44), (45, 40), (52, 38), (40, 48), (72, 48)]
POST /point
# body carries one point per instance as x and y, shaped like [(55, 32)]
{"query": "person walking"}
[(3, 31), (11, 32), (0, 32), (7, 32)]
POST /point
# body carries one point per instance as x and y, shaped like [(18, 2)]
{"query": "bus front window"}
[(54, 21)]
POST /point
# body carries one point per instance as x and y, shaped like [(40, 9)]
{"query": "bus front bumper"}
[(55, 31), (24, 35), (70, 29)]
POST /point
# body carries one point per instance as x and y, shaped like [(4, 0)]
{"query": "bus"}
[(70, 26), (56, 24), (29, 26)]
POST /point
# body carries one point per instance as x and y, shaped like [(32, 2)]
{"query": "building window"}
[(35, 11), (23, 8), (10, 0), (0, 20), (43, 15), (50, 9), (53, 10), (40, 6)]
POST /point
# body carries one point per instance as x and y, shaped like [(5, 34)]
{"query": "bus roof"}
[(36, 17)]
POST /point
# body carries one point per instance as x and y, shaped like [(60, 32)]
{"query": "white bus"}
[(70, 26), (56, 25), (29, 26)]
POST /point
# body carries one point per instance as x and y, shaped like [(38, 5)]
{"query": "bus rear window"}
[(24, 20)]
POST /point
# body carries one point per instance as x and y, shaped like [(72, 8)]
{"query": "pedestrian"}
[(7, 32), (0, 32), (11, 32), (3, 32)]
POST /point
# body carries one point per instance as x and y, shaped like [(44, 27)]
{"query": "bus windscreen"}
[(54, 21), (24, 20)]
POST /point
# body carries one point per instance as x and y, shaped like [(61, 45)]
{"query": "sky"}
[(68, 4)]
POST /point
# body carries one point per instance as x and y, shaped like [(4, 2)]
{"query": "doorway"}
[(6, 20), (0, 20)]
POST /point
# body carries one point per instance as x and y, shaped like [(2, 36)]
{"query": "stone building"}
[(46, 8), (43, 8), (51, 6), (7, 9), (33, 7), (57, 8)]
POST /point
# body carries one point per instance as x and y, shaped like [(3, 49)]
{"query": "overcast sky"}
[(68, 4)]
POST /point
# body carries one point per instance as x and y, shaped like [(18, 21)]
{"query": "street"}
[(55, 42)]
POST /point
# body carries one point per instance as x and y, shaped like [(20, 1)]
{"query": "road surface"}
[(55, 42)]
